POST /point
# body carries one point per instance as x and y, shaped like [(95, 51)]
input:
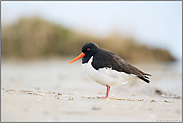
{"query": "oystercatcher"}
[(107, 68)]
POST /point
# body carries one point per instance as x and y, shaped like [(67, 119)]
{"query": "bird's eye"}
[(88, 49)]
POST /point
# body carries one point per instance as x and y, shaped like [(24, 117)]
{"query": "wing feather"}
[(109, 60)]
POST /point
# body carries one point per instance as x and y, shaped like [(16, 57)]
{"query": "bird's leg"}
[(107, 93), (108, 89)]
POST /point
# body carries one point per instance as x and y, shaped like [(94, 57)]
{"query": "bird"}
[(107, 68)]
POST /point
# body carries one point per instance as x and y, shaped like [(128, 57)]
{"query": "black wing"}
[(109, 60)]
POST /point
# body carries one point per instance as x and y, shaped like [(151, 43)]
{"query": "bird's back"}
[(106, 59)]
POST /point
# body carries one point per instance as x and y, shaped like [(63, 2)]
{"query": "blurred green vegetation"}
[(31, 38)]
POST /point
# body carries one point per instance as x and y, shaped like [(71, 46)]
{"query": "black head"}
[(89, 50)]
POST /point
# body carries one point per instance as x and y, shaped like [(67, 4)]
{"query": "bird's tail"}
[(144, 78), (147, 74)]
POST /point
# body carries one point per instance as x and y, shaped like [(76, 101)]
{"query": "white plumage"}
[(107, 76)]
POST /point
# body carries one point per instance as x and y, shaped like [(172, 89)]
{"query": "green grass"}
[(31, 38)]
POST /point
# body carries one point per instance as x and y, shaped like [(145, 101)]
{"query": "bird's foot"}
[(103, 97), (107, 93)]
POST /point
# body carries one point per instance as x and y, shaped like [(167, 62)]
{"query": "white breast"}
[(107, 76)]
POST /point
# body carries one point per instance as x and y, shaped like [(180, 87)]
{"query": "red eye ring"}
[(88, 49)]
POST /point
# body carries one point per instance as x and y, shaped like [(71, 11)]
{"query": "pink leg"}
[(107, 93)]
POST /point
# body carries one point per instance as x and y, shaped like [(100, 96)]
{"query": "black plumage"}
[(106, 59)]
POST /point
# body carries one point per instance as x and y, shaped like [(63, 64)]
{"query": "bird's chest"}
[(90, 70)]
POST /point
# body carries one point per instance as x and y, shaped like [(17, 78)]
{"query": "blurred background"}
[(150, 30), (39, 39)]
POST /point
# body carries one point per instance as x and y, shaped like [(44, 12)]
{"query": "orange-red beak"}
[(78, 57)]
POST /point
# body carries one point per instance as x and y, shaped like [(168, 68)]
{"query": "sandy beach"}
[(53, 90)]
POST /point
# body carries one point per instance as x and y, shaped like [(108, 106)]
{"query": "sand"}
[(53, 90)]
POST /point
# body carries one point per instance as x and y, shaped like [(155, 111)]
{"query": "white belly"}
[(107, 76)]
